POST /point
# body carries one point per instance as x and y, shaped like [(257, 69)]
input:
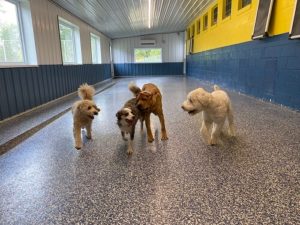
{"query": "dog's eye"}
[(190, 100), (126, 114), (89, 107)]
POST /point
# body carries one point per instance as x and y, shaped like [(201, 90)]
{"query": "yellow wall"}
[(238, 27), (282, 17)]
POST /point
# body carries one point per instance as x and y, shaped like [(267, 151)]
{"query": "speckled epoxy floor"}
[(254, 179)]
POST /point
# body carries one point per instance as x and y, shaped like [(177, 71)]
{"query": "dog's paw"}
[(164, 137), (150, 139), (231, 133), (212, 142), (129, 151)]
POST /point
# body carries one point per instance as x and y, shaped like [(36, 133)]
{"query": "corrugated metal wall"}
[(148, 69), (23, 88), (172, 45), (45, 24), (27, 87)]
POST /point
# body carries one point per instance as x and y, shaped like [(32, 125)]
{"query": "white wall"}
[(172, 45), (45, 25)]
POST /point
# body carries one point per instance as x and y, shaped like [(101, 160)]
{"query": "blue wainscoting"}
[(152, 69), (27, 87), (267, 69)]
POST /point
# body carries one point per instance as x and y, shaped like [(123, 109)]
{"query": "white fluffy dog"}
[(83, 113), (215, 108)]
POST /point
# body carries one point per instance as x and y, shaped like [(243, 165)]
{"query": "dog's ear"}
[(118, 115), (146, 94), (201, 96), (204, 98)]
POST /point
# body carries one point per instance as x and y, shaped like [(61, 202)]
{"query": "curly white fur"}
[(215, 108)]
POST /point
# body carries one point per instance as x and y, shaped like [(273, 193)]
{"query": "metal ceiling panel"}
[(127, 18)]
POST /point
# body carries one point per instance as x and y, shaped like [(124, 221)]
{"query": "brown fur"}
[(149, 100)]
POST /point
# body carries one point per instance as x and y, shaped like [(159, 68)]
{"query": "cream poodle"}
[(215, 108), (83, 112)]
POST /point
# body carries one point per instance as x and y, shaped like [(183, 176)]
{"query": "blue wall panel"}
[(23, 88), (152, 69), (268, 68)]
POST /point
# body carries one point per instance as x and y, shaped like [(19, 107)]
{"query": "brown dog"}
[(149, 100)]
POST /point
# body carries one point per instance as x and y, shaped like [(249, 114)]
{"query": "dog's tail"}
[(216, 87), (86, 92), (134, 89)]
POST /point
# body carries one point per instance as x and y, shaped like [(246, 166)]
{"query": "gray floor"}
[(254, 179), (27, 122)]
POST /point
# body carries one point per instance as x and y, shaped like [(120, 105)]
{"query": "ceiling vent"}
[(147, 43)]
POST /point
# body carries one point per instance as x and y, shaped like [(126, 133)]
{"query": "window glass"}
[(205, 22), (245, 3), (67, 43), (227, 8), (198, 26), (188, 33), (214, 18), (11, 47), (95, 48), (193, 30), (147, 55)]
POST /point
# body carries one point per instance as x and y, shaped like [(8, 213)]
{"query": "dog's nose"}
[(95, 113), (182, 107)]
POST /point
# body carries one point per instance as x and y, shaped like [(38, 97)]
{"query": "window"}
[(193, 30), (96, 49), (263, 15), (295, 26), (214, 15), (147, 55), (205, 21), (15, 28), (243, 3), (226, 8), (70, 42), (188, 33), (198, 26)]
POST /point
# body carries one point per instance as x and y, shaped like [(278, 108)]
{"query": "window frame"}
[(20, 25), (161, 55), (76, 41), (98, 48), (205, 22), (225, 10), (241, 6), (213, 22), (193, 30), (198, 26), (294, 22), (188, 33)]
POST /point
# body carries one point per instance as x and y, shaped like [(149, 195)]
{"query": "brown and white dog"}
[(83, 112), (215, 108), (127, 119), (149, 100)]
